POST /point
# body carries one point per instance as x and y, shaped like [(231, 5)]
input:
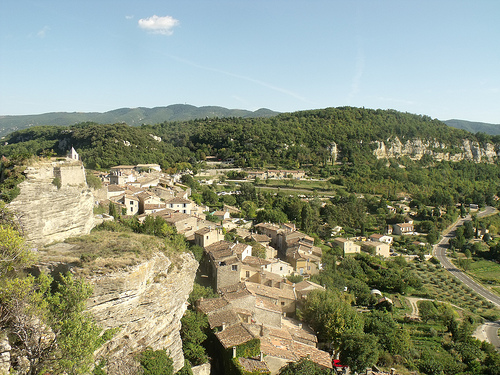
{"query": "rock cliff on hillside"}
[(143, 297), (417, 148), (54, 202)]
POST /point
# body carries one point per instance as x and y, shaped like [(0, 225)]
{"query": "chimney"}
[(223, 326), (234, 351), (261, 357)]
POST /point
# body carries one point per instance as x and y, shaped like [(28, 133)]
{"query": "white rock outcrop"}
[(416, 148), (55, 202)]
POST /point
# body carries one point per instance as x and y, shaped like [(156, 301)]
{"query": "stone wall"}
[(54, 202)]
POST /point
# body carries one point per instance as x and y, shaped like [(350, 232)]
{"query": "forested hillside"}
[(474, 127), (130, 116), (289, 140)]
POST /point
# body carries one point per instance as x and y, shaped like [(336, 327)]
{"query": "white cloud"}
[(129, 17), (41, 33), (159, 25)]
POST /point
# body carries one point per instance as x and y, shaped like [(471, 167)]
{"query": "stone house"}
[(130, 202), (381, 238), (281, 297), (148, 198), (278, 267), (207, 236), (222, 215), (180, 204), (377, 248), (403, 228), (223, 265), (348, 246)]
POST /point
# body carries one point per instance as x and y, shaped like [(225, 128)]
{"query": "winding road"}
[(488, 331)]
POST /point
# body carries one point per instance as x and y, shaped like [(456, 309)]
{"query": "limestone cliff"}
[(139, 288), (416, 148), (54, 202)]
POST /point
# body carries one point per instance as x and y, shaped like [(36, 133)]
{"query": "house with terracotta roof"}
[(180, 204), (208, 235), (381, 238), (403, 228)]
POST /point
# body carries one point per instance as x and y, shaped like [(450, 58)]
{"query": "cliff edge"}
[(55, 202), (140, 289)]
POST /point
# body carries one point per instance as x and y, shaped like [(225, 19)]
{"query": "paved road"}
[(490, 329)]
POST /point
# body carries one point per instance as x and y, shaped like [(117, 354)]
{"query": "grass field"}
[(485, 271)]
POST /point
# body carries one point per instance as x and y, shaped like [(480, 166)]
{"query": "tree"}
[(303, 367), (427, 311), (156, 362), (192, 333), (52, 330), (359, 350), (332, 315), (14, 253)]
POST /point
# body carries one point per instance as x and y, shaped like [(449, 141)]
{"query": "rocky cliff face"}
[(145, 300), (54, 202), (417, 148), (147, 303)]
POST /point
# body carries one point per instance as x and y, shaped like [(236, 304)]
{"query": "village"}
[(257, 298)]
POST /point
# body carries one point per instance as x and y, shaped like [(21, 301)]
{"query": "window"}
[(234, 267), (282, 303), (247, 274), (281, 268)]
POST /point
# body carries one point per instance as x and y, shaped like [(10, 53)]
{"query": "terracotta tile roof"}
[(318, 356), (219, 245), (270, 292), (253, 366), (237, 295), (227, 316), (175, 217), (261, 303), (239, 248), (234, 335), (210, 305), (255, 261), (154, 206), (204, 230), (114, 188), (177, 200), (259, 237), (307, 285)]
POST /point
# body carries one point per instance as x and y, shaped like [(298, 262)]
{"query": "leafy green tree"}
[(192, 333), (52, 330), (156, 362), (359, 350), (332, 315), (427, 310), (304, 367)]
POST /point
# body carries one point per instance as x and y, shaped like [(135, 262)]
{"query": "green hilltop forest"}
[(289, 140), (130, 116)]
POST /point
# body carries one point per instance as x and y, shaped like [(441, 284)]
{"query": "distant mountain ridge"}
[(130, 116), (474, 127)]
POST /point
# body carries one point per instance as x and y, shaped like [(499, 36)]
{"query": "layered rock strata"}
[(54, 202)]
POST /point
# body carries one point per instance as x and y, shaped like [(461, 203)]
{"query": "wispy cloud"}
[(43, 32), (249, 79), (159, 25), (129, 17)]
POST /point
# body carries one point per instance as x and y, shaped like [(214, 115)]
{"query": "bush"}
[(156, 362)]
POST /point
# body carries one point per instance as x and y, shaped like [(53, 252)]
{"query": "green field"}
[(485, 271)]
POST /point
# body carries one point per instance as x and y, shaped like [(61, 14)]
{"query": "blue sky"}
[(439, 58)]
